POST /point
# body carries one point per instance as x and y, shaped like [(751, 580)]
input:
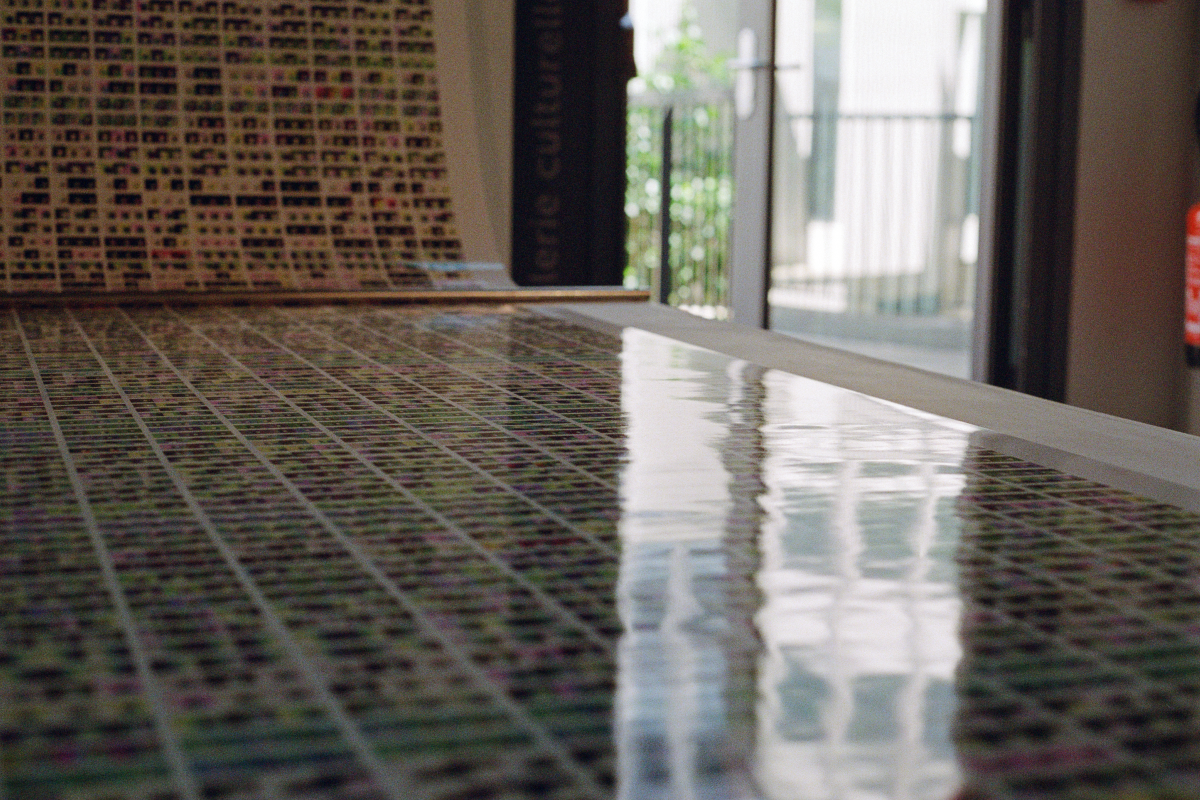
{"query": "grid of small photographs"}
[(1080, 674), (214, 145), (257, 554), (374, 553)]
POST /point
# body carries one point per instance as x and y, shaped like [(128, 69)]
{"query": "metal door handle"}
[(743, 84)]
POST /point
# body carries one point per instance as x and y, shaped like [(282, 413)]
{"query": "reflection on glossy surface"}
[(842, 509), (860, 612), (689, 524), (370, 553)]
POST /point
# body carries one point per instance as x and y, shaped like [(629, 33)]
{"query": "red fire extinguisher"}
[(1191, 317)]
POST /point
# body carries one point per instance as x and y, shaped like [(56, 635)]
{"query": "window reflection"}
[(797, 624)]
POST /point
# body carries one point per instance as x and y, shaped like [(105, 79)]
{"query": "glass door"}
[(813, 166), (875, 177)]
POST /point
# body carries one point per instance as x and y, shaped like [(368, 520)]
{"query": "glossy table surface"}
[(384, 553)]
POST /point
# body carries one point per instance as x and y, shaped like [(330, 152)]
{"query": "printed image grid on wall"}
[(209, 145)]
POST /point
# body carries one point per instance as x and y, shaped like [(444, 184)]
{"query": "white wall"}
[(1134, 181)]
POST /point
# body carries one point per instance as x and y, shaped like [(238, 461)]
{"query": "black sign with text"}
[(572, 61)]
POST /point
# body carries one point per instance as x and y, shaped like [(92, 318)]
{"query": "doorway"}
[(890, 177)]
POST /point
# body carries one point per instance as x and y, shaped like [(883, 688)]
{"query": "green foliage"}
[(696, 84), (686, 64)]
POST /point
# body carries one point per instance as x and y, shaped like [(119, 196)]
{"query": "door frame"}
[(1029, 114), (1022, 321), (753, 165)]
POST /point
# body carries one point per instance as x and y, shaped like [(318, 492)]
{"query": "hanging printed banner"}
[(572, 60), (190, 145)]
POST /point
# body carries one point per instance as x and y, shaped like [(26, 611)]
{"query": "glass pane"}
[(684, 92), (876, 177)]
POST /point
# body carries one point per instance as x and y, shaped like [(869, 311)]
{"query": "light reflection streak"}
[(854, 604)]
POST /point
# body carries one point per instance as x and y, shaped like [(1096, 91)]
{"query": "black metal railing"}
[(679, 199), (896, 235), (898, 214)]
